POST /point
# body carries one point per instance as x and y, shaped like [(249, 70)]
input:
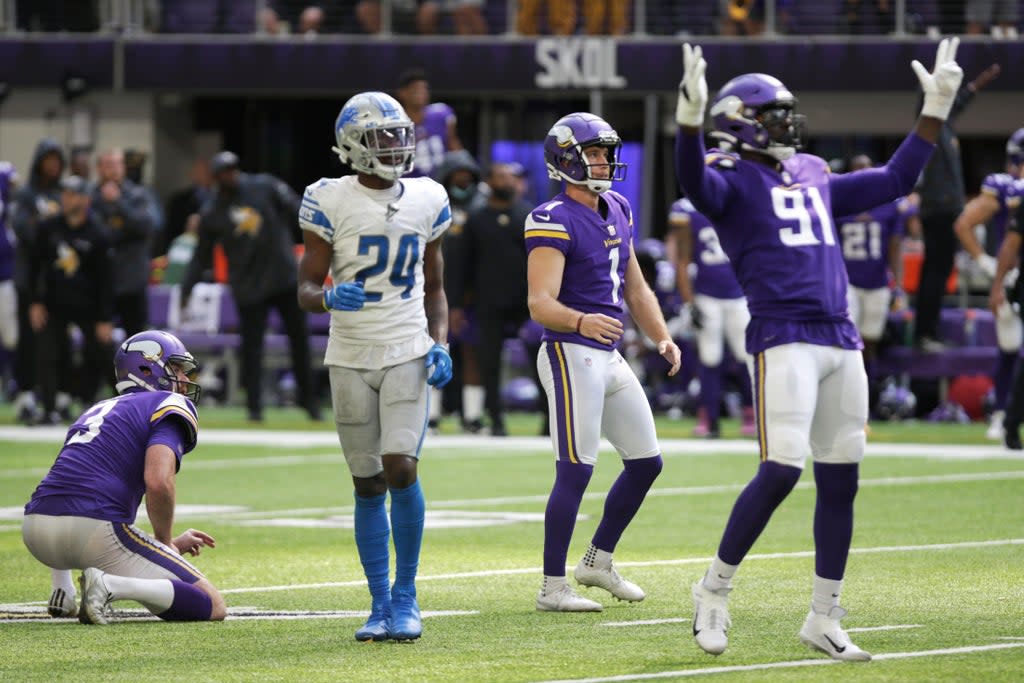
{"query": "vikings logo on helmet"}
[(1015, 149), (755, 112), (564, 145), (149, 361)]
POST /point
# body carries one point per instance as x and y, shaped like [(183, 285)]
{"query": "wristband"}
[(323, 301), (579, 322)]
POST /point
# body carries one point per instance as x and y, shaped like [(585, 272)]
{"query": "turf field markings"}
[(35, 612), (646, 622), (894, 627), (486, 573), (688, 673)]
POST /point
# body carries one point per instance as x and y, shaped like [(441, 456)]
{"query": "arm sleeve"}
[(170, 433), (443, 219), (312, 216), (201, 258), (964, 96), (705, 187), (137, 215), (288, 203), (863, 190)]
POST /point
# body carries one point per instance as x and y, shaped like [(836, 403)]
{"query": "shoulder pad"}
[(720, 160)]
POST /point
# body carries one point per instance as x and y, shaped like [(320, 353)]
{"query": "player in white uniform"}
[(378, 235)]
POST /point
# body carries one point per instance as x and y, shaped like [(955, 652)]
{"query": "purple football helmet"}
[(1015, 149), (564, 145), (148, 360), (755, 112)]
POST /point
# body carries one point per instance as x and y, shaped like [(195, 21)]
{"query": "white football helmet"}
[(375, 136)]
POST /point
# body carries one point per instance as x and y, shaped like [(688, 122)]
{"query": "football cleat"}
[(608, 578), (62, 604), (95, 607), (995, 431), (405, 623), (565, 599), (822, 632), (711, 618), (376, 627)]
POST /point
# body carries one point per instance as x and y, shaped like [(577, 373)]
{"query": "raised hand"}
[(693, 89), (941, 85), (347, 296)]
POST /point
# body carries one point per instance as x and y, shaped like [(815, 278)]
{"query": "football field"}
[(934, 586)]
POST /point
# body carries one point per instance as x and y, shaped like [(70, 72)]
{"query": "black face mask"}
[(503, 194)]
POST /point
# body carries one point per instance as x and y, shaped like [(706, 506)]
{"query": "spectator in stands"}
[(71, 272), (873, 254), (561, 17), (125, 209), (8, 292), (180, 252), (994, 207), (423, 16), (252, 217), (941, 188), (606, 17), (866, 17), (492, 272), (280, 18), (459, 173), (80, 162), (741, 17), (134, 169), (436, 133), (55, 16), (37, 200), (186, 201), (208, 16), (998, 16)]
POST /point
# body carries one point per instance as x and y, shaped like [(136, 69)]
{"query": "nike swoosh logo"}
[(542, 216), (833, 644)]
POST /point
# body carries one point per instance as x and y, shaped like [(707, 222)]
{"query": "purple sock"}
[(624, 499), (754, 507), (1004, 377), (571, 481), (833, 518), (711, 391), (191, 603), (743, 384)]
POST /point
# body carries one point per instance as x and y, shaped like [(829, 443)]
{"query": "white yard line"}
[(648, 563), (234, 614), (894, 627), (688, 673), (645, 622)]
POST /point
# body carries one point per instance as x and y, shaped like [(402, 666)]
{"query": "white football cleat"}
[(565, 599), (95, 598), (62, 604), (822, 632), (608, 579), (711, 618), (995, 429)]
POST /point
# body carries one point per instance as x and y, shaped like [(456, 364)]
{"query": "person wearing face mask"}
[(459, 173), (492, 274)]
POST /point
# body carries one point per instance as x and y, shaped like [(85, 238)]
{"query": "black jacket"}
[(38, 199), (70, 269), (942, 183), (257, 226), (130, 226), (491, 259)]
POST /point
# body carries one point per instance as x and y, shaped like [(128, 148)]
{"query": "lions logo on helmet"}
[(375, 136), (564, 145)]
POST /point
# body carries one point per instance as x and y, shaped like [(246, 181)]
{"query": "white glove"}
[(693, 89), (940, 86), (987, 264)]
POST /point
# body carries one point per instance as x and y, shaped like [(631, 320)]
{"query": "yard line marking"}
[(13, 614), (646, 622), (485, 573), (894, 627), (495, 447), (687, 673)]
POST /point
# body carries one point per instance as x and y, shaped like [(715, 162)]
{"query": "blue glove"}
[(348, 296), (438, 358)]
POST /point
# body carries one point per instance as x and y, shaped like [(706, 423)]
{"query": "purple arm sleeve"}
[(863, 190), (705, 187), (171, 433)]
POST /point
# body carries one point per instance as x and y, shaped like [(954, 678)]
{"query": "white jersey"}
[(379, 237)]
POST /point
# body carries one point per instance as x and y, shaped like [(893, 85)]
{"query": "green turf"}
[(955, 596)]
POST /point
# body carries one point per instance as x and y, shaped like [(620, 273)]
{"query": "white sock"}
[(61, 578), (719, 575), (596, 557), (472, 402), (826, 594), (553, 583), (155, 594), (435, 404)]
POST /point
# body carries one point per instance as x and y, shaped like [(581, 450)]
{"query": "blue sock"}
[(624, 499), (372, 541), (408, 508), (754, 507), (191, 603), (833, 518)]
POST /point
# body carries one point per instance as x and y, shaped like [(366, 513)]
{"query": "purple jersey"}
[(8, 176), (866, 237), (1007, 191), (776, 227), (99, 471), (432, 139), (596, 250), (715, 276)]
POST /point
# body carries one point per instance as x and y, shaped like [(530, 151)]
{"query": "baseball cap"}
[(76, 184), (222, 161)]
